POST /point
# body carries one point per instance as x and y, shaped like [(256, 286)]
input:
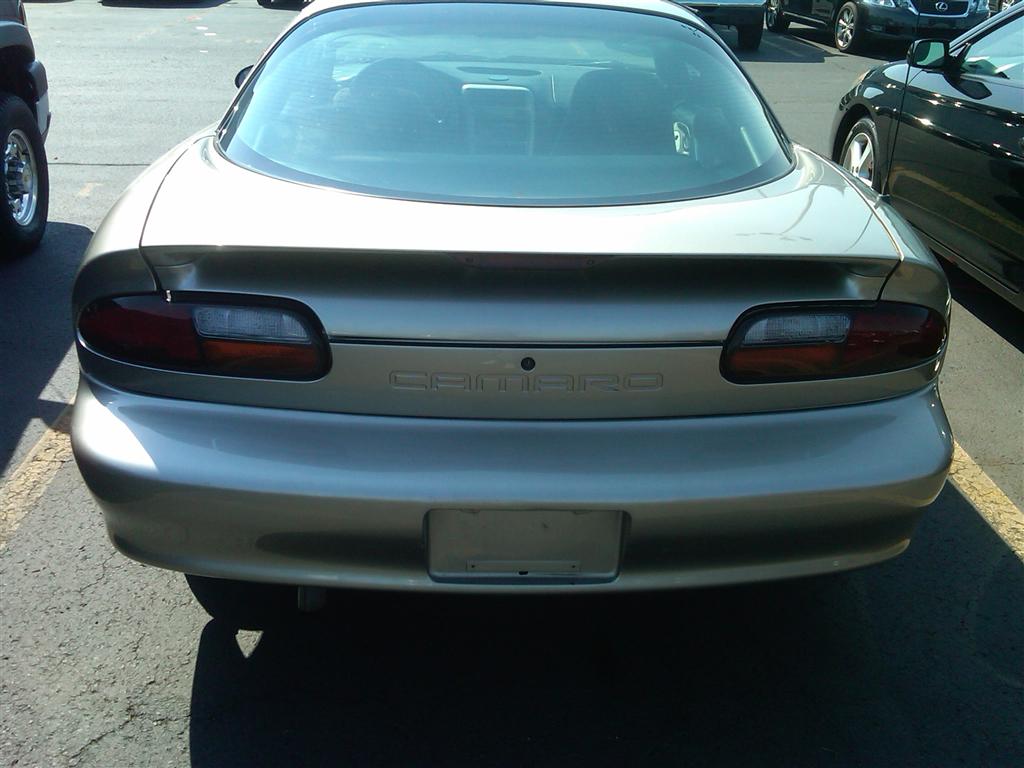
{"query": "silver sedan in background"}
[(505, 297)]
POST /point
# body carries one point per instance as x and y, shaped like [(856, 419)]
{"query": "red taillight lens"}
[(800, 343), (218, 338), (22, 13)]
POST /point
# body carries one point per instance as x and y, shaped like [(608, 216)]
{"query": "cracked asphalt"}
[(104, 662)]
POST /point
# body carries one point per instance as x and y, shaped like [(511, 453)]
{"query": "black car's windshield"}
[(505, 104)]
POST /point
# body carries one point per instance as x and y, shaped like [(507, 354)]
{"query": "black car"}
[(942, 134), (854, 21)]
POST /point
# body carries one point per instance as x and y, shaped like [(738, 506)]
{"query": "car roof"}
[(660, 7)]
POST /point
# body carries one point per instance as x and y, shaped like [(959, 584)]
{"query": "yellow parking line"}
[(29, 481), (87, 188), (992, 504)]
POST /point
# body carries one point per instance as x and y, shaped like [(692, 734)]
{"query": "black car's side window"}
[(998, 54)]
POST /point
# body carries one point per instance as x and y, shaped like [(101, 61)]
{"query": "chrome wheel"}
[(21, 179), (846, 27), (859, 158), (771, 13)]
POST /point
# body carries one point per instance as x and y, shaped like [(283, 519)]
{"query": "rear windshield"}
[(505, 104)]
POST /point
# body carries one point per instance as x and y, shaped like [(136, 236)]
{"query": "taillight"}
[(22, 14), (215, 337), (799, 343)]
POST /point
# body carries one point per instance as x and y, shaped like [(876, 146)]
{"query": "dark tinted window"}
[(505, 104)]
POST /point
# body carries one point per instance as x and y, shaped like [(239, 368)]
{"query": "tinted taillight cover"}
[(221, 336), (822, 341)]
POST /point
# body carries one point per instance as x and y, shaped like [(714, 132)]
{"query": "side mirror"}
[(242, 74), (929, 54)]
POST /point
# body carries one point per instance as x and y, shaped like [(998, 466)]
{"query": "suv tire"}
[(22, 163), (750, 36)]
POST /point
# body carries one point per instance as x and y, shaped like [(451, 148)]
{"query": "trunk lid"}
[(621, 310)]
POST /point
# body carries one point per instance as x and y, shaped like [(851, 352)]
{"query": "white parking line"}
[(29, 481)]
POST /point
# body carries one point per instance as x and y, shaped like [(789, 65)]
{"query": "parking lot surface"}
[(104, 662)]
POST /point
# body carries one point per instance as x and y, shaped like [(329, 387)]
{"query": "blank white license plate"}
[(515, 545)]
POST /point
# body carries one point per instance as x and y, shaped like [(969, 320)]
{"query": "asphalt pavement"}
[(104, 662)]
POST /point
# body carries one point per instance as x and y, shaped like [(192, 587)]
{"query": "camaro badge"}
[(424, 381)]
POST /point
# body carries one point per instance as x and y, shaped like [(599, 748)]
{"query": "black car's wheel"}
[(849, 36), (750, 36), (244, 604), (860, 153), (25, 184), (774, 18)]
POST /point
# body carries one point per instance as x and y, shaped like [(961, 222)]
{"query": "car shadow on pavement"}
[(163, 3), (914, 662), (982, 302), (880, 50), (777, 49), (37, 329), (286, 5)]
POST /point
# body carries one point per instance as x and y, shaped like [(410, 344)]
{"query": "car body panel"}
[(897, 23), (419, 323), (14, 34), (975, 125), (28, 78), (878, 94), (112, 263), (733, 13), (964, 144), (658, 7), (230, 205), (393, 378), (337, 500)]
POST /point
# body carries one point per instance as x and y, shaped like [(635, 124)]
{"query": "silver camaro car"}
[(505, 296)]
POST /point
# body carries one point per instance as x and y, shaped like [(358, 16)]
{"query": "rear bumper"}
[(338, 500), (728, 14)]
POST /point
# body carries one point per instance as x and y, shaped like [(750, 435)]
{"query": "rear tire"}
[(24, 179), (750, 36), (847, 30), (244, 604), (774, 18)]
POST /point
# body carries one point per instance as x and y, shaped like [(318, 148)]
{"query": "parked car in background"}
[(24, 122), (625, 335), (746, 15), (943, 135), (854, 22)]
